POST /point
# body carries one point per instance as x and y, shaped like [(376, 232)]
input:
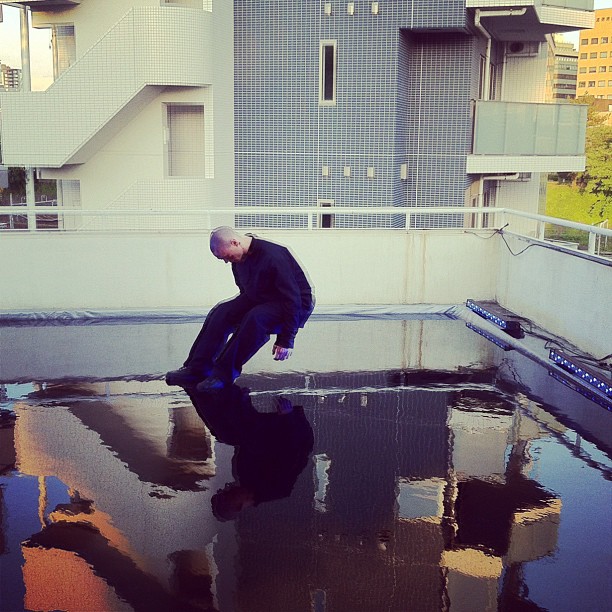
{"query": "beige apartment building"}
[(595, 58)]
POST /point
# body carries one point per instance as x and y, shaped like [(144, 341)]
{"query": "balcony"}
[(528, 20), (527, 137)]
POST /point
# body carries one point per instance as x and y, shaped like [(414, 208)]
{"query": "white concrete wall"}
[(565, 294), (568, 295), (148, 271)]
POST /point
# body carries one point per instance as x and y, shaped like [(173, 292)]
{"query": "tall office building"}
[(194, 104), (595, 59), (562, 74), (10, 78)]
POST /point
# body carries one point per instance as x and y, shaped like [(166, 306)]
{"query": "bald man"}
[(275, 298)]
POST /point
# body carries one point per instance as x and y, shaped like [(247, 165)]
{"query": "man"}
[(275, 298)]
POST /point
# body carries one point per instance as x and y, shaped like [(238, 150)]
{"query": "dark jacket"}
[(270, 273)]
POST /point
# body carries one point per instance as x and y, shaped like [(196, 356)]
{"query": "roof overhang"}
[(41, 5), (527, 20)]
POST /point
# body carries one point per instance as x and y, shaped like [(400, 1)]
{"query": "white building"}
[(422, 108), (141, 110), (166, 118)]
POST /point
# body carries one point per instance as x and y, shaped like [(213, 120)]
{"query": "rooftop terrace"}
[(394, 463)]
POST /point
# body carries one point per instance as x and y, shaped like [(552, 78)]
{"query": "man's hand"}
[(281, 353)]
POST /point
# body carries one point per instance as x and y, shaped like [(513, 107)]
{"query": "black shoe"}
[(210, 384), (184, 377)]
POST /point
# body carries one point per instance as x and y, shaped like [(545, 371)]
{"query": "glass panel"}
[(515, 128)]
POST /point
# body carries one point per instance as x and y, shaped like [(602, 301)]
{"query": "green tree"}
[(597, 176)]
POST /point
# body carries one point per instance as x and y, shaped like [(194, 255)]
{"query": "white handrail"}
[(19, 209)]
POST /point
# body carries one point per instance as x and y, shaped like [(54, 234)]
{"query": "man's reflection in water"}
[(271, 449)]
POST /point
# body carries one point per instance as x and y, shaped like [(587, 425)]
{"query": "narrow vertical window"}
[(326, 220), (481, 77), (327, 72)]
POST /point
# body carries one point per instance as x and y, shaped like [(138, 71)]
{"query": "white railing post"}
[(592, 241)]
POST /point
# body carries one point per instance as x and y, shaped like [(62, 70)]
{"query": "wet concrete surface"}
[(410, 485)]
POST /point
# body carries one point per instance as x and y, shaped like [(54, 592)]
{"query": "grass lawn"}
[(566, 202)]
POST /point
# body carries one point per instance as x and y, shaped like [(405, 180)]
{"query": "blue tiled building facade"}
[(399, 127)]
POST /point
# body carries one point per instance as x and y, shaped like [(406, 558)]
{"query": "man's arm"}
[(291, 300)]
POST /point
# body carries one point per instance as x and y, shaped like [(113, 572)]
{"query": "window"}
[(592, 68), (601, 83), (609, 83), (327, 72), (581, 83), (591, 83), (327, 220), (185, 139), (594, 41), (593, 55), (582, 70), (604, 40), (602, 69), (584, 41), (481, 77), (492, 81), (583, 55), (603, 54)]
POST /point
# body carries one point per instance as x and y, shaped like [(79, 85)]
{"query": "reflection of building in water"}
[(7, 463), (415, 499), (128, 466)]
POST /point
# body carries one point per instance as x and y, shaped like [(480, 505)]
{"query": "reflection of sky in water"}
[(418, 486), (585, 524)]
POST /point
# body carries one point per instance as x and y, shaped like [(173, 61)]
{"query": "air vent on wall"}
[(522, 49)]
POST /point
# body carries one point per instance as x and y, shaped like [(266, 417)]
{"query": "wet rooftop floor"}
[(390, 465)]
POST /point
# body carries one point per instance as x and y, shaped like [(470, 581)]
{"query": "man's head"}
[(228, 245)]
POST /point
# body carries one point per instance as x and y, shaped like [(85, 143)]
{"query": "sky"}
[(40, 49), (40, 43)]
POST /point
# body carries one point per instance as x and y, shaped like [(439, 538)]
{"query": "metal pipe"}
[(486, 88), (26, 75), (26, 86)]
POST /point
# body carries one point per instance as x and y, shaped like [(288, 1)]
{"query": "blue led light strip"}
[(489, 337), (602, 401), (479, 310), (511, 326), (577, 369)]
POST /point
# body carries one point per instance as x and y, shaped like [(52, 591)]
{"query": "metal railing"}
[(23, 218)]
